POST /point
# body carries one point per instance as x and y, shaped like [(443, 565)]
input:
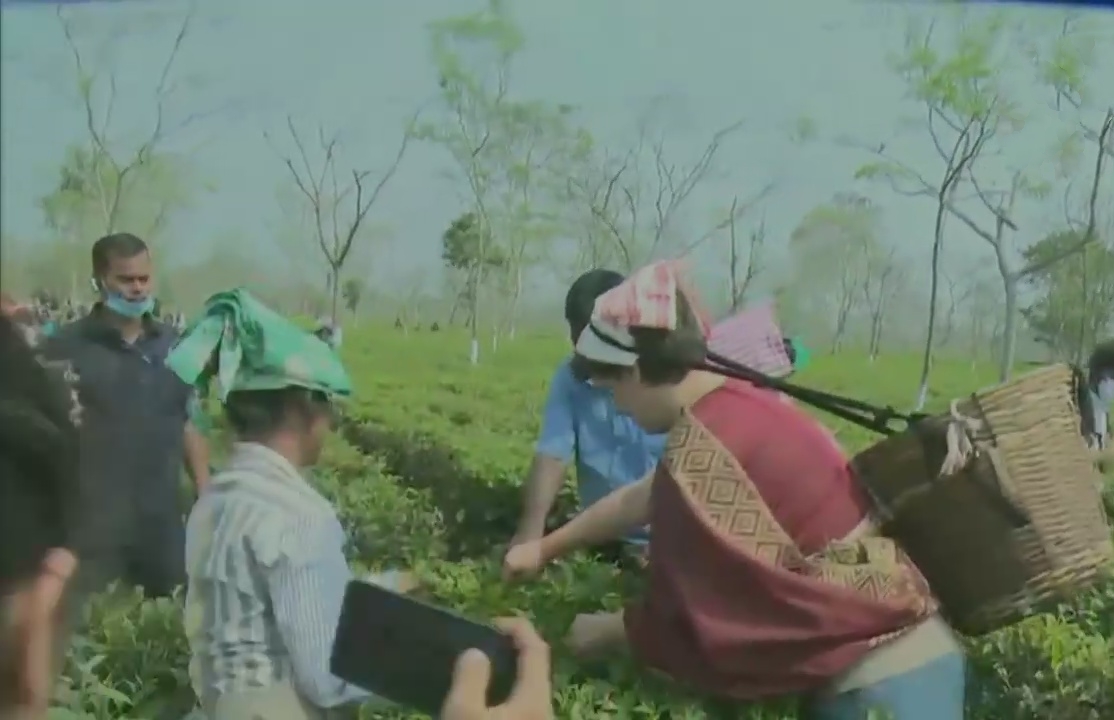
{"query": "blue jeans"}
[(931, 692)]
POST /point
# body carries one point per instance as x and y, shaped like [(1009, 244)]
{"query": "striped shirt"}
[(264, 556)]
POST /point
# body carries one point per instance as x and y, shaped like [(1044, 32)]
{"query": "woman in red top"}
[(766, 576)]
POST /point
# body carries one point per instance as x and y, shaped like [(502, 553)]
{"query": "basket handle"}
[(961, 447), (961, 432)]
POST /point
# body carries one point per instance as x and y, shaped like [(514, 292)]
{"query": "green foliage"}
[(426, 476), (94, 195), (1072, 290), (131, 663), (1067, 63), (959, 75), (352, 291), (464, 247)]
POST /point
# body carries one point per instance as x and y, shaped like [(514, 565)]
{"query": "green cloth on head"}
[(247, 346), (801, 353)]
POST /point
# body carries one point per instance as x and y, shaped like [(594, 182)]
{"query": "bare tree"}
[(635, 197), (972, 135), (879, 285), (957, 297), (1001, 205), (112, 169), (741, 272), (338, 208), (848, 296), (983, 317), (960, 97), (830, 249)]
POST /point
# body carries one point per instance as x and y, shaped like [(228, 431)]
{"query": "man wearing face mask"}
[(136, 432)]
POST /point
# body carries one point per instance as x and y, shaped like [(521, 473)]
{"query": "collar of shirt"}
[(96, 326), (257, 460)]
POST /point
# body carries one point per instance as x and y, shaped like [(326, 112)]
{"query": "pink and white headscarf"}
[(647, 299)]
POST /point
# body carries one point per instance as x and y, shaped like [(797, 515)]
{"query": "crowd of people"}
[(765, 572), (44, 314), (97, 423)]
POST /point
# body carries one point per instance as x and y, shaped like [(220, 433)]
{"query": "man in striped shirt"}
[(264, 550)]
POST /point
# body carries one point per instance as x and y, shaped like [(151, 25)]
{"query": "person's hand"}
[(527, 534), (593, 633), (402, 582), (531, 697), (406, 582), (523, 560)]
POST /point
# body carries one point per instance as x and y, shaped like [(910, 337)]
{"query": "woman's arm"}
[(612, 517), (307, 590)]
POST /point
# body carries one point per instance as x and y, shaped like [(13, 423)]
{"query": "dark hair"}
[(116, 245), (581, 297), (38, 460), (258, 414), (1101, 363), (665, 357)]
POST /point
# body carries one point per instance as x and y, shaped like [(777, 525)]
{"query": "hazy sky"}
[(362, 65)]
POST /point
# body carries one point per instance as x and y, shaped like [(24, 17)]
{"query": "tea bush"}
[(425, 474)]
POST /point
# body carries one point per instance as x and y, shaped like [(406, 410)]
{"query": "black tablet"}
[(404, 650)]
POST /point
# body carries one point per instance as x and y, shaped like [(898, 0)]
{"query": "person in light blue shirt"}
[(1100, 381), (582, 428)]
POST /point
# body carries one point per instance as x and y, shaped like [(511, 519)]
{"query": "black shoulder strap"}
[(864, 414)]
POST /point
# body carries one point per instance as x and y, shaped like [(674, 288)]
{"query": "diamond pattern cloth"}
[(718, 486)]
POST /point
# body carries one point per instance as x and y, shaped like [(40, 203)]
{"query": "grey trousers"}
[(278, 702)]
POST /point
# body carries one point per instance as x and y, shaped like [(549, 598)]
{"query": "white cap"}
[(606, 342)]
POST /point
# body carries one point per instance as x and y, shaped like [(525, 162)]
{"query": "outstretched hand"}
[(524, 560)]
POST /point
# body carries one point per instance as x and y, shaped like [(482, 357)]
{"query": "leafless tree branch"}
[(739, 283), (635, 205), (98, 129), (735, 213), (325, 194)]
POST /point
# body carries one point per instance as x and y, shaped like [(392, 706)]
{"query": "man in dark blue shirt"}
[(136, 429)]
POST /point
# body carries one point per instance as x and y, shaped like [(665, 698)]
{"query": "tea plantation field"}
[(425, 474)]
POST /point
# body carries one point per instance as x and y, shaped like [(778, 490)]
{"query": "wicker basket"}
[(1019, 526)]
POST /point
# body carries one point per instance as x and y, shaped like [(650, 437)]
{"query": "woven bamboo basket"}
[(998, 502)]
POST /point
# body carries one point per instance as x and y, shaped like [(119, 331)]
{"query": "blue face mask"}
[(128, 308)]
